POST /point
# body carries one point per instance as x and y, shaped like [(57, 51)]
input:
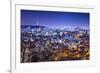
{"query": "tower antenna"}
[(37, 22)]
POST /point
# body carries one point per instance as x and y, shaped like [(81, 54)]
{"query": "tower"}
[(37, 23)]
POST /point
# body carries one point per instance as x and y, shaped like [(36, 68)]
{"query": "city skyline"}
[(43, 38), (53, 19)]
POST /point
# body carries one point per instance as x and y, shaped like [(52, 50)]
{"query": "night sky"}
[(53, 19)]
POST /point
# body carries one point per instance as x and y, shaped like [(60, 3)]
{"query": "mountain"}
[(32, 26)]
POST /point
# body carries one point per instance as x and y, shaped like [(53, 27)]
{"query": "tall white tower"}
[(37, 22)]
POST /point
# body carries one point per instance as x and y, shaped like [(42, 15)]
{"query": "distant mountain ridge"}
[(32, 26)]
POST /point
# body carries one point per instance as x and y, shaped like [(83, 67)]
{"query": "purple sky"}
[(53, 19)]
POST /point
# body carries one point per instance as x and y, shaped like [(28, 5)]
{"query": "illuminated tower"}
[(37, 22)]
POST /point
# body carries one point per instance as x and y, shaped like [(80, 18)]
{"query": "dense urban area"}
[(43, 44)]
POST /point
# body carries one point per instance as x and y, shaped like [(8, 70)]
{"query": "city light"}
[(41, 43)]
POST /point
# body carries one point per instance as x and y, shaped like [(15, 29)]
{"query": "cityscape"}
[(54, 36)]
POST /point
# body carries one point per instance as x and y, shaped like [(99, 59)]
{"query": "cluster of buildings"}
[(39, 44)]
